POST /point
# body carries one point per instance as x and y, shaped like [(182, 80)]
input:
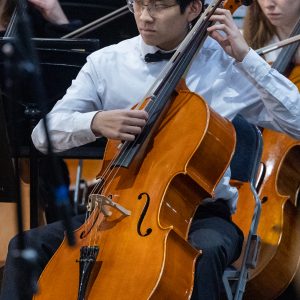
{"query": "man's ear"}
[(194, 10)]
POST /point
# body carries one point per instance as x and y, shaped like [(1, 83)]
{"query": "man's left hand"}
[(227, 34)]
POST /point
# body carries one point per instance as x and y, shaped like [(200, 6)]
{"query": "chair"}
[(244, 168)]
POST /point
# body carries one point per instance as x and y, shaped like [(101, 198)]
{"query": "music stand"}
[(62, 65), (10, 192), (86, 45), (83, 45)]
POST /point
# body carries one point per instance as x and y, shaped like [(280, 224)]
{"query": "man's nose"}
[(145, 13)]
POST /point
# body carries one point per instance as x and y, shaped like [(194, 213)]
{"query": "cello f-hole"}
[(139, 224)]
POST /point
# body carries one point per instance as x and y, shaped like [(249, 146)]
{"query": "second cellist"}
[(267, 22)]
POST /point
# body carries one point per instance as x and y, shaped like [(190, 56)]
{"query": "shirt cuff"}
[(83, 126), (255, 65)]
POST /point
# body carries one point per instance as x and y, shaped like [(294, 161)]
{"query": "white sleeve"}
[(280, 100), (69, 122)]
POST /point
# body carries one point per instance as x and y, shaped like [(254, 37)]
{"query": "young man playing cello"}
[(232, 80)]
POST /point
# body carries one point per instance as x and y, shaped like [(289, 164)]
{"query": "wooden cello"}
[(279, 225), (134, 243)]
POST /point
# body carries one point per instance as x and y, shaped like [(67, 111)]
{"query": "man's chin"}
[(149, 43), (149, 40)]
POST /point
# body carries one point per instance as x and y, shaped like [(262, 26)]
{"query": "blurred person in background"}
[(47, 17), (267, 22)]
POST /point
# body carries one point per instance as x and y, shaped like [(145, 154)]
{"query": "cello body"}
[(146, 255), (279, 224)]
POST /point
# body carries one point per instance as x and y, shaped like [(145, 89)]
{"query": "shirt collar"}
[(145, 49)]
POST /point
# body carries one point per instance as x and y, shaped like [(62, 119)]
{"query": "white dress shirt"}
[(118, 77)]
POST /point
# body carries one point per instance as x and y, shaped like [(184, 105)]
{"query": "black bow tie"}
[(158, 56)]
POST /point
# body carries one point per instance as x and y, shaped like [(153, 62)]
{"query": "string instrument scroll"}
[(134, 243)]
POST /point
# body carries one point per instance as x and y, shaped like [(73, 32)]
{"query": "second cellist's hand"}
[(51, 11), (119, 124), (227, 34)]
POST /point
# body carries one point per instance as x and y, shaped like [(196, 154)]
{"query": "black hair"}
[(184, 3)]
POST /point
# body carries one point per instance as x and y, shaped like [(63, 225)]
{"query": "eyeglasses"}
[(154, 7)]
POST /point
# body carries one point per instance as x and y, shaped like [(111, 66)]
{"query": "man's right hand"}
[(119, 124)]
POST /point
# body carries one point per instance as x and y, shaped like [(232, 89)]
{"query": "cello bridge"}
[(103, 202)]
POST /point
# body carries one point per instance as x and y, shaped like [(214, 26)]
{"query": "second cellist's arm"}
[(275, 109)]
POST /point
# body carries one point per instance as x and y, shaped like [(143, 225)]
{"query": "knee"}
[(13, 243), (13, 246), (27, 238), (213, 257)]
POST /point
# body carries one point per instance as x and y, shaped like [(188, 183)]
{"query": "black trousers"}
[(221, 243), (212, 231)]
